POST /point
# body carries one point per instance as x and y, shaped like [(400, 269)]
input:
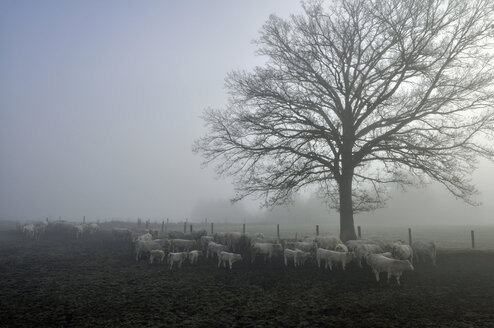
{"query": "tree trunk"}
[(347, 227)]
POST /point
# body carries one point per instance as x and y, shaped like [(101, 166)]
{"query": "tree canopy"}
[(356, 95)]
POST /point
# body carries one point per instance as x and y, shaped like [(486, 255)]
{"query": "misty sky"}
[(100, 102)]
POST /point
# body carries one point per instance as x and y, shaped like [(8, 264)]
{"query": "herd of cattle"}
[(176, 247)]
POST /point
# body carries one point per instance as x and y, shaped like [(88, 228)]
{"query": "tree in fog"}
[(356, 95)]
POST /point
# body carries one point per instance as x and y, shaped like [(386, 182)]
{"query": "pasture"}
[(95, 282)]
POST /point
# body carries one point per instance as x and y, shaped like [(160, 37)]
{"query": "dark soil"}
[(97, 283)]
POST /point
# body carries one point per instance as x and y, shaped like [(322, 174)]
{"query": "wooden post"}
[(190, 228), (212, 228), (359, 232), (243, 228), (278, 230), (410, 236), (84, 219), (317, 229), (473, 239)]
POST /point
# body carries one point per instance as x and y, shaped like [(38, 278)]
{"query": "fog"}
[(100, 103)]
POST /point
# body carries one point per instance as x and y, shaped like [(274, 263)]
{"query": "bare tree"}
[(356, 95)]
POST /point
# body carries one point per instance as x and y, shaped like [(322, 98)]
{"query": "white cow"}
[(28, 230), (297, 256), (121, 234), (331, 257), (363, 250), (424, 249), (179, 258), (301, 257), (265, 249), (215, 248), (306, 246), (327, 242), (204, 242), (392, 267), (78, 230), (145, 237), (184, 245), (340, 248), (402, 252), (194, 256), (156, 254), (231, 258), (144, 246)]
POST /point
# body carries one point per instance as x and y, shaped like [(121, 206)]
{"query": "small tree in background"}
[(356, 95)]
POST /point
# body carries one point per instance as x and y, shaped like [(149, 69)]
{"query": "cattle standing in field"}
[(215, 248), (298, 256), (306, 246), (220, 238), (265, 249), (330, 257), (392, 267), (204, 241), (402, 252), (328, 242), (144, 247), (423, 250), (178, 258), (341, 248), (289, 254), (28, 230), (194, 256), (145, 237), (78, 230), (156, 254), (363, 250), (224, 257), (183, 245), (121, 234)]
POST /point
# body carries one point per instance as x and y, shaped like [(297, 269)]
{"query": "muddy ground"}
[(97, 283)]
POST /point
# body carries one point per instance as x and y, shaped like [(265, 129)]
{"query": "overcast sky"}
[(100, 102)]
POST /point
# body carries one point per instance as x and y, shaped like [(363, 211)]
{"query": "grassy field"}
[(60, 282)]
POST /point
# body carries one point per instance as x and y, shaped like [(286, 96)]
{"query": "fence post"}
[(410, 236), (317, 230), (359, 231), (473, 239), (243, 228), (278, 230), (212, 228)]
